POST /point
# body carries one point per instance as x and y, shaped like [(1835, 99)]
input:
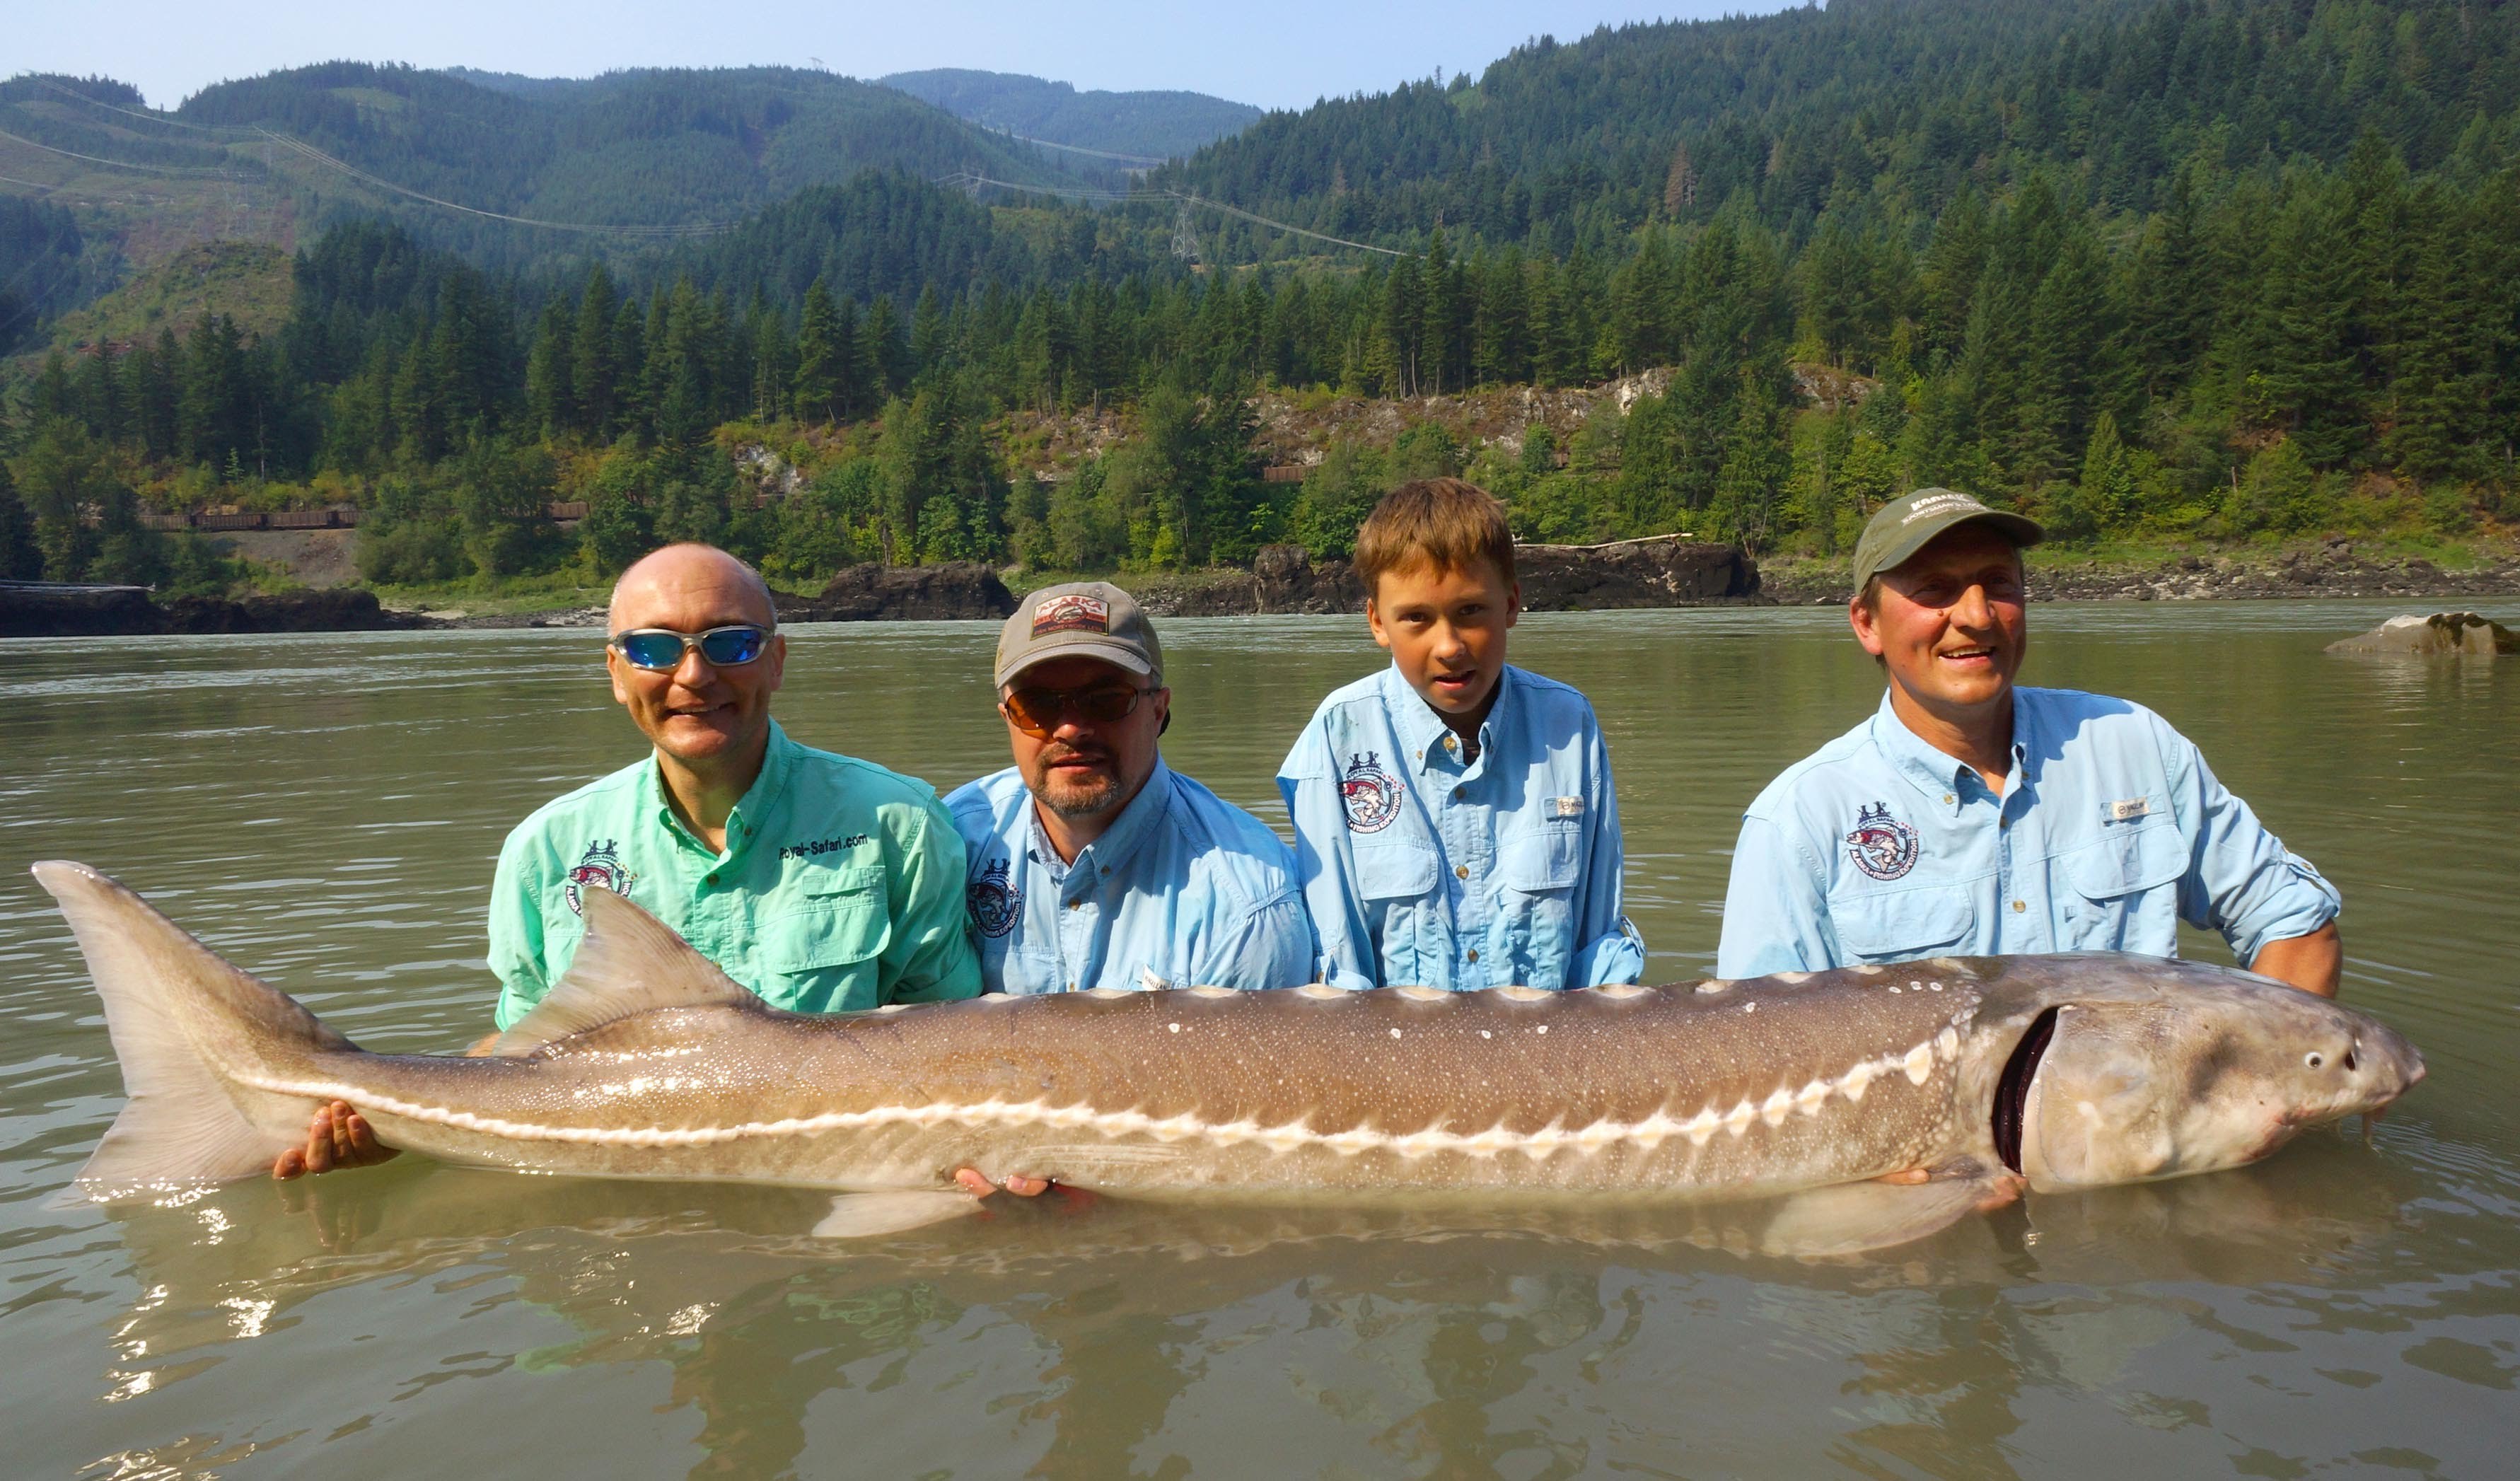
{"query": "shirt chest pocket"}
[(2108, 907), (1902, 926), (1538, 859), (1397, 870), (827, 938)]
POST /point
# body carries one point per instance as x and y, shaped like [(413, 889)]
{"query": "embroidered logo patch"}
[(2132, 807), (1881, 846), (1566, 807), (1075, 612), (994, 901), (601, 865), (1370, 795)]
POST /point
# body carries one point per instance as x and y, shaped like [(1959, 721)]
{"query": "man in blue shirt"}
[(1455, 819), (1091, 863), (1968, 817)]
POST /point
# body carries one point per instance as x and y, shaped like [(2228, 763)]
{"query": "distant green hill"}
[(1156, 125), (635, 155)]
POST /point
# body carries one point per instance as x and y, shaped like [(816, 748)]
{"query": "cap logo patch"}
[(1075, 612), (1942, 503), (1881, 846), (1370, 795)]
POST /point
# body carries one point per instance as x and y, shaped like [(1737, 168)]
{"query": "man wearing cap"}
[(1092, 863), (1971, 816)]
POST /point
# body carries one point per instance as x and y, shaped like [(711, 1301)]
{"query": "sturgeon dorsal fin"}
[(629, 962)]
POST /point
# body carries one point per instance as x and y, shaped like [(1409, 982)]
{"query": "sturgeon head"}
[(2123, 1072)]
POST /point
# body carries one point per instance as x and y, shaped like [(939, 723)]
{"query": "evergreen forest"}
[(2155, 271)]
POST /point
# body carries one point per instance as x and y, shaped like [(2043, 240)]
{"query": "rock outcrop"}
[(1664, 570), (32, 611), (954, 591), (2441, 633)]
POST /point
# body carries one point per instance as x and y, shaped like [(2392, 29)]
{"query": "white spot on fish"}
[(1713, 985), (1484, 1034), (1319, 989), (1622, 991), (1395, 1033), (1852, 1084), (1813, 1097), (1739, 1119), (1542, 1029), (1789, 979), (1936, 986), (892, 1008), (1174, 1027), (1423, 994), (1915, 987), (1894, 989), (1920, 1062), (1750, 1007), (1525, 993), (1773, 1111), (1702, 1127)]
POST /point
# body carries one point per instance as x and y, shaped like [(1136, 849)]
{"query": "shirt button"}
[(1459, 792), (2005, 822), (1460, 871), (712, 878), (1474, 954), (2020, 906), (1080, 905), (1946, 796)]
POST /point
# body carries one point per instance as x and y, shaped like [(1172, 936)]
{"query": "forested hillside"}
[(2197, 270), (1154, 124), (651, 153)]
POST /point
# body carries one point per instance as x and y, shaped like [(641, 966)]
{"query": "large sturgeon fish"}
[(1889, 1100)]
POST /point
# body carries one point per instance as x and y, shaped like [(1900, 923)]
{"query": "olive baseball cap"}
[(1090, 619), (1903, 527)]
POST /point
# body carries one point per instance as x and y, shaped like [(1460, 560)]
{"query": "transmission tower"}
[(1185, 236)]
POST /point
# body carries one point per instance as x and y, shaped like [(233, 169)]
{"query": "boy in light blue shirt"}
[(1971, 816), (1456, 826)]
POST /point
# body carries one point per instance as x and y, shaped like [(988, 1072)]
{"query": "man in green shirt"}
[(822, 883)]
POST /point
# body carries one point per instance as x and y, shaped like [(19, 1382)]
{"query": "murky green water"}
[(326, 810)]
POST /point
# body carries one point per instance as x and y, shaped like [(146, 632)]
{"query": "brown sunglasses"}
[(1039, 712)]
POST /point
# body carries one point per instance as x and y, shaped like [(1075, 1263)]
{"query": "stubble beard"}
[(1075, 799)]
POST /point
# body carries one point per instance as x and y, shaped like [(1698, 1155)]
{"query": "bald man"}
[(822, 883)]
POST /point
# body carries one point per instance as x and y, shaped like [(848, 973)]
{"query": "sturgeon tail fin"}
[(185, 1023)]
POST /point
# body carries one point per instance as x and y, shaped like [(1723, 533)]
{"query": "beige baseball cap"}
[(1091, 619), (1906, 524)]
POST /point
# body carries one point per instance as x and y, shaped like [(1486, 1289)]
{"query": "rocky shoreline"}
[(2331, 569), (1662, 571)]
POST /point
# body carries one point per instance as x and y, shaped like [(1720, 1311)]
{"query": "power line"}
[(155, 170), (1079, 149), (686, 229), (202, 128), (967, 177)]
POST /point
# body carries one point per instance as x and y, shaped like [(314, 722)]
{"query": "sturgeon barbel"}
[(1891, 1100)]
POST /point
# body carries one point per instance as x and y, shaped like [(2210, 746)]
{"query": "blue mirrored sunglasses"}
[(662, 648)]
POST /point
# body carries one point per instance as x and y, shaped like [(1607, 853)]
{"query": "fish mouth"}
[(2012, 1089)]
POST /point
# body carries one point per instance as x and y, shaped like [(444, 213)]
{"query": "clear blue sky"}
[(1276, 53)]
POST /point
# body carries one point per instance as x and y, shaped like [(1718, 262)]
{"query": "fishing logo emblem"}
[(600, 865), (1370, 795), (994, 901), (1881, 846)]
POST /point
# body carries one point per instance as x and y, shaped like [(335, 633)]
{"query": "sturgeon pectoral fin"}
[(1852, 1218), (857, 1216), (629, 962)]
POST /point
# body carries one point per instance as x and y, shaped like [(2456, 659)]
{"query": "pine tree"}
[(819, 363), (595, 346)]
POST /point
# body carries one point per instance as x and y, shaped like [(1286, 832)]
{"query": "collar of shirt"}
[(1117, 844), (1946, 781), (1422, 729), (745, 823)]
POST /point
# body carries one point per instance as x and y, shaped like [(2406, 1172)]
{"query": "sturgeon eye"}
[(2313, 1059), (2348, 1059)]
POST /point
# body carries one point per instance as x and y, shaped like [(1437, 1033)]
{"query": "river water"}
[(326, 810)]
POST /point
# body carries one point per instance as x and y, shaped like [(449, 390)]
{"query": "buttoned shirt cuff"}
[(1618, 956)]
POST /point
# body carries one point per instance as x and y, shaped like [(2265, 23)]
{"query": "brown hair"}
[(1440, 523)]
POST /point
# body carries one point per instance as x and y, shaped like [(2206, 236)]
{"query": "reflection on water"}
[(326, 809)]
